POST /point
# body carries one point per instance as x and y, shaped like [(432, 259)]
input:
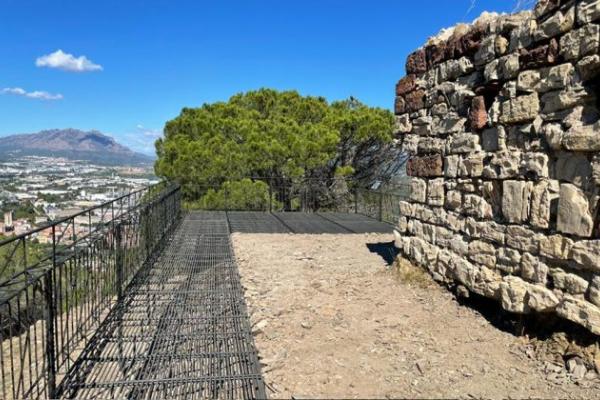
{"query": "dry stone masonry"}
[(502, 122)]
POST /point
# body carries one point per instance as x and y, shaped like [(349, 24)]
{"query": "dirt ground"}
[(332, 319)]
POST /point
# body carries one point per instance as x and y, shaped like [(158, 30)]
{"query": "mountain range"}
[(73, 144)]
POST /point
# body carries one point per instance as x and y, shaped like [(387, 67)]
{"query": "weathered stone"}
[(544, 200), (490, 139), (581, 42), (503, 68), (534, 165), (588, 11), (478, 279), (435, 54), (574, 167), (406, 85), (416, 63), (478, 114), (435, 192), (410, 144), (492, 193), (515, 201), (533, 269), (451, 166), (422, 126), (557, 24), (418, 190), (487, 51), (596, 169), (513, 293), (556, 247), (486, 230), (425, 166), (524, 239), (540, 56), (500, 45), (453, 200), (521, 109), (428, 145), (594, 292), (503, 165), (566, 99), (402, 124), (448, 124), (581, 312), (543, 7), (406, 208), (553, 134), (415, 100), (463, 143), (582, 138), (574, 215), (476, 206), (399, 105), (541, 299), (587, 254), (558, 77), (589, 67), (570, 283), (522, 35), (528, 81), (508, 259), (471, 165), (482, 253)]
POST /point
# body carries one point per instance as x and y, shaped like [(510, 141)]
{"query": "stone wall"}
[(502, 123)]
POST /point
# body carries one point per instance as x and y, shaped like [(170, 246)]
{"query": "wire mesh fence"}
[(58, 283)]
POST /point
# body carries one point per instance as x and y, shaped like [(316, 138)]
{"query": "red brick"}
[(478, 114)]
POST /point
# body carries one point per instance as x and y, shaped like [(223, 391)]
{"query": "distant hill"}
[(74, 144)]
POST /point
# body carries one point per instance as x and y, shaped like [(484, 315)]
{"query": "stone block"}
[(502, 69), (515, 201), (428, 145), (463, 143), (582, 138), (399, 105), (508, 260), (574, 215), (540, 56), (435, 192), (555, 247), (587, 254), (491, 138), (410, 144), (487, 51), (544, 200), (589, 67), (416, 63), (451, 166), (557, 24), (513, 295), (482, 253), (418, 190), (588, 11), (453, 200), (476, 206), (529, 80), (533, 269), (580, 312), (523, 239), (581, 42), (575, 168), (503, 165), (415, 100), (471, 165), (427, 166), (534, 165), (543, 7), (521, 109), (448, 124), (553, 134), (478, 114), (566, 99), (402, 124), (570, 283), (406, 85), (594, 292)]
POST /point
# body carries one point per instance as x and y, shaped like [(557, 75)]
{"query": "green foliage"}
[(267, 133), (237, 195)]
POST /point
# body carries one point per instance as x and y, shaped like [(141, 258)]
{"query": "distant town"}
[(34, 191)]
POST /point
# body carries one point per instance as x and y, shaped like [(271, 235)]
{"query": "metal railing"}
[(58, 283), (302, 194)]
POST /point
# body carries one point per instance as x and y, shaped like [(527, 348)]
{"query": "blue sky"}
[(145, 60)]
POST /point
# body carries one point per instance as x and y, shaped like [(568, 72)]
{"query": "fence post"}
[(356, 201), (380, 205), (50, 315), (270, 195), (119, 259)]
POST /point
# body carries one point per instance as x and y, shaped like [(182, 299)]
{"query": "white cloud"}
[(143, 139), (67, 62), (40, 95)]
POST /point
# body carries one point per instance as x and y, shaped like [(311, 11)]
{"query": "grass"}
[(410, 274)]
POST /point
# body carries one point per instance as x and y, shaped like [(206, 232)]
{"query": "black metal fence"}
[(58, 283), (302, 194)]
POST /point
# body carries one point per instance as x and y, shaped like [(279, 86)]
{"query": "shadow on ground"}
[(385, 250)]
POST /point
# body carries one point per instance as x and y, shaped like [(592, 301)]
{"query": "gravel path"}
[(331, 320)]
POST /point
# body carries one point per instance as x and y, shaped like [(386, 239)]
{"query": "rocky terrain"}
[(502, 122), (332, 319)]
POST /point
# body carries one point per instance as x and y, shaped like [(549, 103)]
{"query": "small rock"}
[(259, 326), (576, 367), (305, 325)]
